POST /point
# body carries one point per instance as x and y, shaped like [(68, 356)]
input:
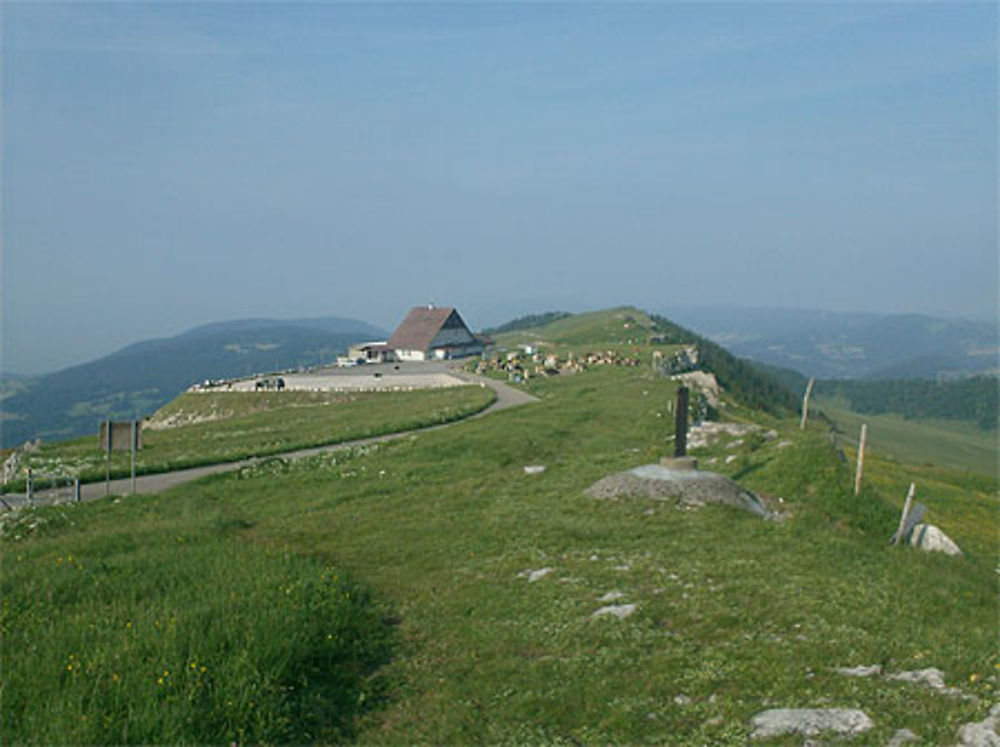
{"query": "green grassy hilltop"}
[(430, 591)]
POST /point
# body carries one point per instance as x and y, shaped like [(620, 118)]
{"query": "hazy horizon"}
[(170, 165), (486, 319)]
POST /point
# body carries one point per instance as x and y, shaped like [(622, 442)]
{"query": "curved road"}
[(507, 397)]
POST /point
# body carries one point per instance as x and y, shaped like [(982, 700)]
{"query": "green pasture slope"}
[(439, 636), (951, 444), (229, 426)]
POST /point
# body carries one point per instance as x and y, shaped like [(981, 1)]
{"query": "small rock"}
[(981, 733), (622, 568), (901, 737), (931, 539), (621, 611), (611, 596), (932, 678), (682, 700), (731, 458), (861, 671), (534, 469), (535, 575), (809, 722)]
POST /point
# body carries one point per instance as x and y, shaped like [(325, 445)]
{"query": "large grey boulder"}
[(809, 722), (686, 486), (931, 539), (981, 733)]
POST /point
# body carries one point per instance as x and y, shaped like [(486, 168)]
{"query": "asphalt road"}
[(507, 397)]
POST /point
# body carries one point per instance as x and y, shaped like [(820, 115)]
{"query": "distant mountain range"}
[(140, 378), (848, 346)]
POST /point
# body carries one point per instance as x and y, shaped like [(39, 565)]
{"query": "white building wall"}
[(411, 355)]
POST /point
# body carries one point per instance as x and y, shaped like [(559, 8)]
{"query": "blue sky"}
[(166, 165)]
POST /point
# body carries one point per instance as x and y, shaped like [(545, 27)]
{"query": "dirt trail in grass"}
[(507, 397)]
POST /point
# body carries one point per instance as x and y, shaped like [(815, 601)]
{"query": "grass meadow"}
[(943, 443), (439, 636), (228, 426)]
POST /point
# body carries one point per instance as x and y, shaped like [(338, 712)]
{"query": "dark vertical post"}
[(29, 488), (135, 441), (681, 422), (107, 460), (76, 489)]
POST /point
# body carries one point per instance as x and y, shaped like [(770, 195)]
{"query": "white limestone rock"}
[(861, 671), (621, 611), (809, 722), (931, 539), (901, 737), (981, 733), (533, 576)]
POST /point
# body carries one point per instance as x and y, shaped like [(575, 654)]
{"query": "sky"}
[(166, 165)]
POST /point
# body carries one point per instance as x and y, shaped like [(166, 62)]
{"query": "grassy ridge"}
[(259, 425), (733, 614), (628, 330)]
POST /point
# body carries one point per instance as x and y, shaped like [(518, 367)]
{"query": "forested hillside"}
[(973, 399), (752, 385), (141, 378)]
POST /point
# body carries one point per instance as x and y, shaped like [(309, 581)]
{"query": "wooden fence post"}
[(107, 459), (861, 459), (29, 488), (898, 536), (135, 441), (805, 402)]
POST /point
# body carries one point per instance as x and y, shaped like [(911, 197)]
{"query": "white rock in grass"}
[(611, 596), (541, 573), (932, 678), (981, 733), (860, 671), (621, 611), (809, 722), (931, 539), (901, 737), (534, 469)]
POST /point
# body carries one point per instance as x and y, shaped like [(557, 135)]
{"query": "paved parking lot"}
[(363, 378)]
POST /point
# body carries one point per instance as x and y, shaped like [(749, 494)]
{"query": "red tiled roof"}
[(418, 330)]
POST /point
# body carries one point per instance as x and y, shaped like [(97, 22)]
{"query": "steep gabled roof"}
[(420, 327)]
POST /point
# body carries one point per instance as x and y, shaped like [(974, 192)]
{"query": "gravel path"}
[(507, 397)]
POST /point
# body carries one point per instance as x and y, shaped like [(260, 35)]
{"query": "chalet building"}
[(433, 333)]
